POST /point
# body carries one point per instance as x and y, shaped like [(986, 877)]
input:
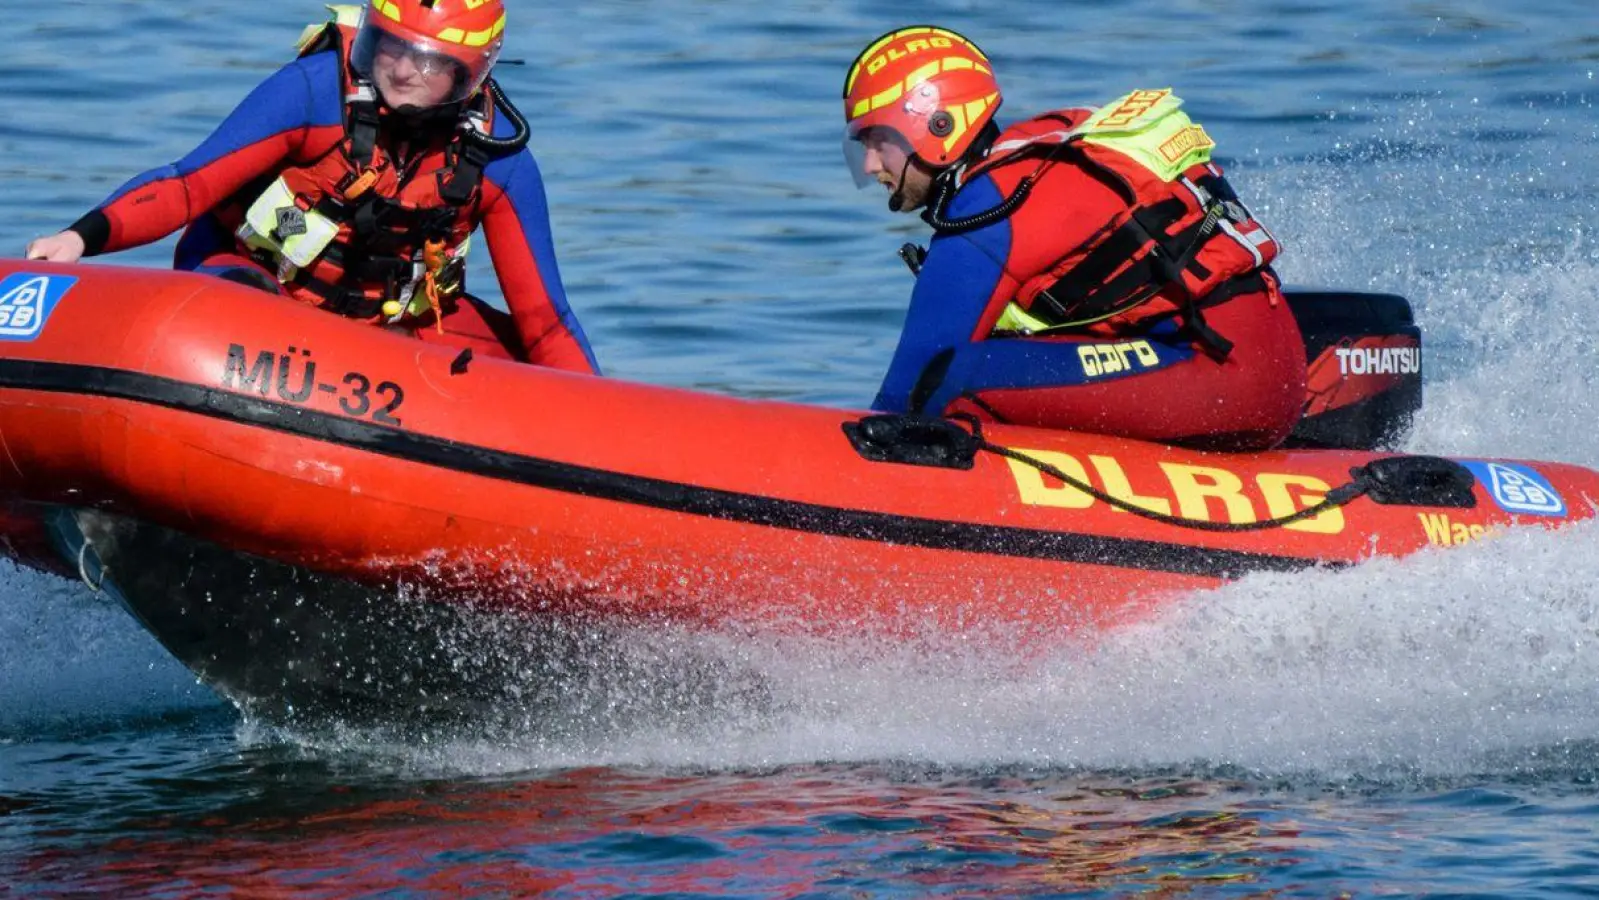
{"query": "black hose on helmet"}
[(518, 138), (946, 190), (946, 193)]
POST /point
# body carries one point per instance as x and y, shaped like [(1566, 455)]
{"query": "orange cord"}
[(433, 260)]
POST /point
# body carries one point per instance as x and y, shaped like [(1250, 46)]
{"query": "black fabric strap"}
[(344, 301), (363, 131), (1250, 283), (362, 265), (465, 175), (1090, 291), (1067, 297), (1208, 339)]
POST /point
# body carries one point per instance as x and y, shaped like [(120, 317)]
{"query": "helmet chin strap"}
[(896, 200)]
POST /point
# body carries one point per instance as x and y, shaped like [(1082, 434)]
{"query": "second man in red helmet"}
[(1090, 269)]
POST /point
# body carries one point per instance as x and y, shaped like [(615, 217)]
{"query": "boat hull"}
[(197, 408)]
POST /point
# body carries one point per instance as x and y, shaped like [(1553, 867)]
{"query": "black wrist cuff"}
[(95, 229)]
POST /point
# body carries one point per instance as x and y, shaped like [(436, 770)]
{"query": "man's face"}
[(406, 77), (888, 160)]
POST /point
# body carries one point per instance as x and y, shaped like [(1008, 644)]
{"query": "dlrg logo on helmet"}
[(896, 53), (931, 86)]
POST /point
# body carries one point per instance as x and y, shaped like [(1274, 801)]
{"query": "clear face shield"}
[(872, 150), (418, 73)]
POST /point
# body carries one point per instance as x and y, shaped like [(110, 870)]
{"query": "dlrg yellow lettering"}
[(893, 54), (1274, 488), (1197, 492), (1116, 485), (1030, 481), (1195, 485)]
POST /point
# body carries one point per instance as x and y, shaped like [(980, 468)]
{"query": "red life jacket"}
[(392, 224), (1175, 246)]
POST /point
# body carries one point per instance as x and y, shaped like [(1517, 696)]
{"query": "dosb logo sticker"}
[(1518, 489), (26, 301)]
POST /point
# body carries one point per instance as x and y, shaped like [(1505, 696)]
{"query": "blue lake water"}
[(1427, 726)]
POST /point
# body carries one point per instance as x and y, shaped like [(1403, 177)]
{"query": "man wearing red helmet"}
[(1090, 269), (353, 179)]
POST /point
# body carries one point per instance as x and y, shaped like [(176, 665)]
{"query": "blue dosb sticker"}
[(26, 301), (1518, 489)]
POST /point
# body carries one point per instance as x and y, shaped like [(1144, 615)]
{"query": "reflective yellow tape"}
[(961, 124), (975, 108), (474, 38), (920, 75), (888, 96)]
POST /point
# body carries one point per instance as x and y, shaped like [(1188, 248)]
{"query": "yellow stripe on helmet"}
[(964, 116), (888, 96), (921, 75), (473, 38)]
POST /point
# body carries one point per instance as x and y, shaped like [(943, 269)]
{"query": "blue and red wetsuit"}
[(949, 358), (296, 118)]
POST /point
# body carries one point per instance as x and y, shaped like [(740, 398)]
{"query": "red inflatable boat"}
[(160, 429)]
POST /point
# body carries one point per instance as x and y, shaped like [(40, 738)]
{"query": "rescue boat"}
[(298, 506)]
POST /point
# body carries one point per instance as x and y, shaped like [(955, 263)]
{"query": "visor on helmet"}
[(877, 148)]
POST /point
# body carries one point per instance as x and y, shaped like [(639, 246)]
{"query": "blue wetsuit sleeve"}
[(957, 283), (516, 222)]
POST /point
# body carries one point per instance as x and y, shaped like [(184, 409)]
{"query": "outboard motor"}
[(1363, 352)]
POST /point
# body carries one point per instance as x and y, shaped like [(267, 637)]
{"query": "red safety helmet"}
[(461, 36), (932, 87)]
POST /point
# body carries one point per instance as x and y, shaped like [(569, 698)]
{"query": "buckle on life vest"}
[(360, 184), (440, 279)]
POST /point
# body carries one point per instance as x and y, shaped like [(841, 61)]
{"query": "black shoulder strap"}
[(470, 156), (360, 105), (361, 124), (466, 175)]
